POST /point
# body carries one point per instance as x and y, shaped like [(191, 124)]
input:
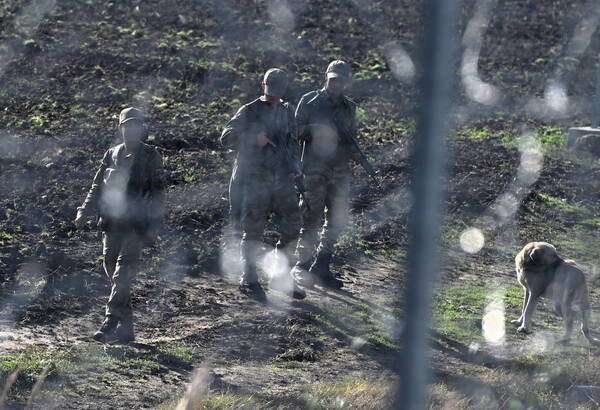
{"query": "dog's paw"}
[(523, 329), (517, 322)]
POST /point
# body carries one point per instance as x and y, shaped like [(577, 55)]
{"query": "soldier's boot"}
[(106, 332), (320, 269), (250, 286), (297, 292), (301, 274), (287, 284), (124, 331)]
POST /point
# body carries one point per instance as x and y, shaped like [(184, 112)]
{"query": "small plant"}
[(37, 121)]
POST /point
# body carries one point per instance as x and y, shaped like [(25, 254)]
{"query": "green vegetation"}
[(551, 138), (31, 363), (221, 401), (191, 70), (350, 394), (361, 324), (563, 206), (458, 309), (483, 133)]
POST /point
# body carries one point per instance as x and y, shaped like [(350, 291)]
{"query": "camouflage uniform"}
[(260, 184), (326, 166), (127, 194)]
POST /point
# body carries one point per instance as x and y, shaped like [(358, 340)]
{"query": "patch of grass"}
[(191, 176), (351, 394), (353, 242), (457, 310), (550, 137), (177, 352), (388, 129), (220, 401), (483, 133), (563, 206), (579, 245), (594, 222), (451, 230), (443, 396), (514, 295), (372, 67), (574, 228), (361, 321), (37, 121), (31, 362)]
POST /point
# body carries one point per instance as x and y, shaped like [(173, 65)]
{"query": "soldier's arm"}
[(90, 204), (233, 134), (303, 120), (353, 129), (294, 144), (157, 186)]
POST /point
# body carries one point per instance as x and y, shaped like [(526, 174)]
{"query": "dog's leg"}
[(585, 320), (567, 315), (531, 303), (519, 321)]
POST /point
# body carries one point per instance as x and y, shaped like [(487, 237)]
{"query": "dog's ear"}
[(532, 255)]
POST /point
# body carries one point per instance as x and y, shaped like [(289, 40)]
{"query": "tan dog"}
[(542, 272)]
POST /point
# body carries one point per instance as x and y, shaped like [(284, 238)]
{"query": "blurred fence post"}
[(426, 215), (596, 107)]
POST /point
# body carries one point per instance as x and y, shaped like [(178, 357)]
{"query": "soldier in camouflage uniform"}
[(262, 133), (322, 117), (127, 194)]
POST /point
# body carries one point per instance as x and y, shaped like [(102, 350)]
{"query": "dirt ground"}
[(68, 67)]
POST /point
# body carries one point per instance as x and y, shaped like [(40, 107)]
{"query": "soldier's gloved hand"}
[(262, 140), (151, 238), (294, 175), (79, 222)]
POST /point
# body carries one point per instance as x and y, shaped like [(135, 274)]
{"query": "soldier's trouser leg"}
[(336, 214), (254, 215), (287, 217), (312, 219), (111, 244), (119, 301), (235, 203), (232, 234)]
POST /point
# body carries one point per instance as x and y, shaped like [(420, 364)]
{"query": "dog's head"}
[(541, 254)]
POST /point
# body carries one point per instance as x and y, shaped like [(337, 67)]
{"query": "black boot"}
[(297, 292), (124, 331), (106, 332), (287, 284), (320, 269), (250, 286)]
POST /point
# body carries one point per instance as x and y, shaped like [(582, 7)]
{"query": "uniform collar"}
[(263, 98), (331, 99), (124, 154)]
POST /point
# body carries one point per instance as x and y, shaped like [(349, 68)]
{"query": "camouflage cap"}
[(338, 68), (275, 82), (131, 113)]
